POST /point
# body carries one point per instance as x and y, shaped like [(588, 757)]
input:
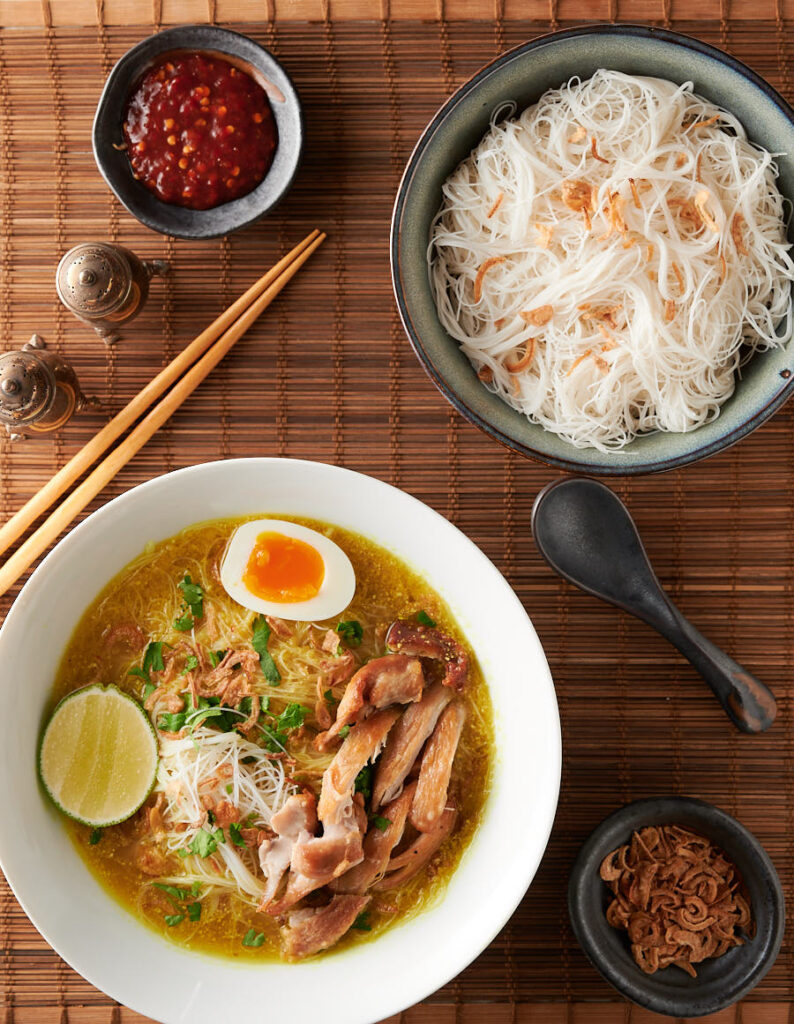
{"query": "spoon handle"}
[(746, 700)]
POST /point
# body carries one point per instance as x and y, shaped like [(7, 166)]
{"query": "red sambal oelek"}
[(199, 131)]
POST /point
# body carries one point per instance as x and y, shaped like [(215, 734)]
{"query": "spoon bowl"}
[(587, 535)]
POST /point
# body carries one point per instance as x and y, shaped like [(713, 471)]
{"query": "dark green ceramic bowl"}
[(521, 76)]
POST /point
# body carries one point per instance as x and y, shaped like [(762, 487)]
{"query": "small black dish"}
[(115, 166), (720, 982)]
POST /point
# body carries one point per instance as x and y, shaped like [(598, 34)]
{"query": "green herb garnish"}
[(193, 595), (190, 664), (364, 781), (194, 911), (259, 642), (330, 699), (174, 919), (351, 632), (362, 922), (185, 622), (344, 731), (216, 657), (292, 717), (152, 662), (95, 837), (424, 619), (203, 844), (381, 823), (253, 939), (235, 834)]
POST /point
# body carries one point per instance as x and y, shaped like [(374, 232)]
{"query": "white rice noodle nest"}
[(643, 238)]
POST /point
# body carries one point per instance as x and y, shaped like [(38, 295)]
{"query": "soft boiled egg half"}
[(280, 568)]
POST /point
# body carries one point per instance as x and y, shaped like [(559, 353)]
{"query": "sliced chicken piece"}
[(411, 861), (393, 679), (362, 745), (378, 846), (315, 862), (294, 824), (427, 642), (315, 928), (405, 741), (431, 790)]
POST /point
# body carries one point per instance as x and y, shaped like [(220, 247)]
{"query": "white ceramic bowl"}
[(363, 985)]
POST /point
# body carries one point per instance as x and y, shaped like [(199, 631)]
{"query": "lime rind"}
[(115, 692)]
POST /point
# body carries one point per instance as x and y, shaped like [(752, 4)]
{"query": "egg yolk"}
[(283, 569)]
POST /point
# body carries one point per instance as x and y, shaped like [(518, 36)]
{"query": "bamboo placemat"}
[(328, 375)]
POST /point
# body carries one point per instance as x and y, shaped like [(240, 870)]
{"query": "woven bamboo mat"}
[(328, 375)]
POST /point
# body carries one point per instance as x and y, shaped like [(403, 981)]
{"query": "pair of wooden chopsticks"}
[(200, 357)]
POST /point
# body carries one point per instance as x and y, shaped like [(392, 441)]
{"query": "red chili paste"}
[(199, 131)]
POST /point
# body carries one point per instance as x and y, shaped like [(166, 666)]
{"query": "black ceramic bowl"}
[(115, 166), (720, 981), (521, 76)]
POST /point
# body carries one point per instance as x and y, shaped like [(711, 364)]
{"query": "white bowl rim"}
[(410, 991)]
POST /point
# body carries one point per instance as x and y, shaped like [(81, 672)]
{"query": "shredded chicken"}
[(428, 642), (313, 929)]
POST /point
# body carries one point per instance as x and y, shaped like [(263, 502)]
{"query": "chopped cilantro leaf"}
[(153, 658), (253, 938), (216, 657), (194, 911), (292, 717), (204, 844), (344, 731), (259, 641), (195, 889), (174, 919), (135, 671), (193, 595), (172, 891), (190, 664), (274, 741), (185, 621), (95, 837), (148, 690), (424, 619), (351, 632), (236, 835), (218, 834), (329, 698), (362, 922), (381, 823), (364, 781), (229, 788), (172, 721)]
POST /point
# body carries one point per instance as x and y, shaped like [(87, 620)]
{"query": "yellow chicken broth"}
[(145, 593)]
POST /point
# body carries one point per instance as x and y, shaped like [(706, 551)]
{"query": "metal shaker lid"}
[(93, 279), (27, 387)]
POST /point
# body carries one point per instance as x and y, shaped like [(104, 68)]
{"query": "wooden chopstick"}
[(87, 456), (63, 515)]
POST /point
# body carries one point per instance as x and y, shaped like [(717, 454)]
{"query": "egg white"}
[(339, 580)]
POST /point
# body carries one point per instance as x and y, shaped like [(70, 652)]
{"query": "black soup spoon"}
[(587, 535)]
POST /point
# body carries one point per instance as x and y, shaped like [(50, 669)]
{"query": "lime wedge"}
[(98, 756)]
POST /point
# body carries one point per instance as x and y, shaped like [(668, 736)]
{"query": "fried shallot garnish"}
[(577, 195), (704, 124), (539, 316), (485, 266), (700, 202), (678, 897), (578, 135), (594, 151), (635, 194), (737, 233), (496, 205), (545, 231), (516, 365)]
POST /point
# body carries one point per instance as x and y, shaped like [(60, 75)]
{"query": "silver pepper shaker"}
[(105, 285), (39, 390)]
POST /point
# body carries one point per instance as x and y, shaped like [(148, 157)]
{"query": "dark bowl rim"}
[(570, 464), (130, 65), (653, 810)]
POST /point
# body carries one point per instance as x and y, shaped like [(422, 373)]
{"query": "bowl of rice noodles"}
[(118, 580), (591, 249)]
